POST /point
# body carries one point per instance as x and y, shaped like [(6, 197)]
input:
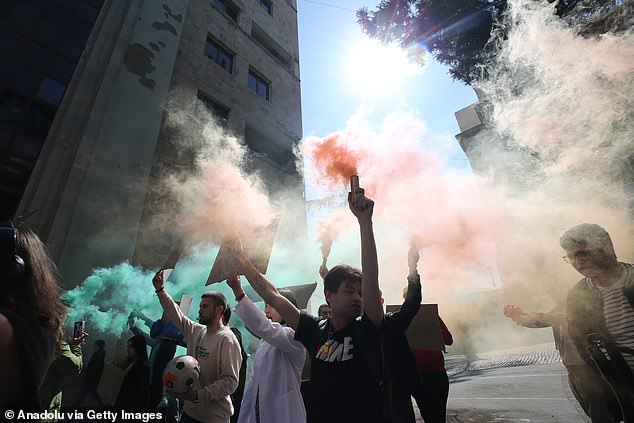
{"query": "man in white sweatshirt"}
[(218, 353)]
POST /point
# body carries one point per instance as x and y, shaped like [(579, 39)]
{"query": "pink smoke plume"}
[(219, 199), (328, 230), (416, 197)]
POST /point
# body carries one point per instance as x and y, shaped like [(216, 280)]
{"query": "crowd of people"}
[(351, 363)]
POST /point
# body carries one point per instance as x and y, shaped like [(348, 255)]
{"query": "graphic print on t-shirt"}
[(336, 351), (202, 353)]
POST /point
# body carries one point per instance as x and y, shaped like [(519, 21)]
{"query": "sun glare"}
[(377, 70)]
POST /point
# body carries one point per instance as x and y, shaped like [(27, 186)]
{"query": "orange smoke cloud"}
[(334, 158)]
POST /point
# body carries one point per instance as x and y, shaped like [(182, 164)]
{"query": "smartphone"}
[(354, 185), (78, 329)]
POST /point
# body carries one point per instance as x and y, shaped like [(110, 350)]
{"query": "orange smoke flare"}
[(335, 159)]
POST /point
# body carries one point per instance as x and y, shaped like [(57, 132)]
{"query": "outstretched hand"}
[(512, 311), (361, 206), (158, 281), (234, 282)]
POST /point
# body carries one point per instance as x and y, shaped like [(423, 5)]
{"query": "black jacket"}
[(134, 392)]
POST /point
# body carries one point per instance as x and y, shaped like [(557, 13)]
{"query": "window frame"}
[(259, 80), (228, 8), (221, 51), (266, 6)]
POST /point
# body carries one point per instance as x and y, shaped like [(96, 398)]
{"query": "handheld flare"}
[(354, 186)]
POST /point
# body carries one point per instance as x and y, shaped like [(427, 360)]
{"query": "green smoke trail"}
[(106, 297)]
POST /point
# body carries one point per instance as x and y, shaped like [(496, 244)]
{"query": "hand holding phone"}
[(78, 329)]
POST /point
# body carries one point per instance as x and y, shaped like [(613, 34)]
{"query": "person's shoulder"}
[(286, 329), (309, 318), (6, 330), (227, 333), (309, 324), (363, 322), (578, 288)]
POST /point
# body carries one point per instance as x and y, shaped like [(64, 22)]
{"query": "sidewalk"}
[(525, 384)]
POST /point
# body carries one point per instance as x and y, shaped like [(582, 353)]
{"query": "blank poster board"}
[(424, 331), (186, 304), (110, 383), (257, 245)]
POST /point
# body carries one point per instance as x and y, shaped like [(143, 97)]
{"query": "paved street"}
[(526, 384)]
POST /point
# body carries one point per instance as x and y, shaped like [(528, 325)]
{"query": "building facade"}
[(94, 182)]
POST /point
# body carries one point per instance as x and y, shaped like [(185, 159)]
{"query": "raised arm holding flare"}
[(344, 350)]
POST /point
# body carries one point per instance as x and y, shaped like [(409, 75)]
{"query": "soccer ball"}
[(181, 373)]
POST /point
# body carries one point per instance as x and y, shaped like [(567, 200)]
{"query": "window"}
[(228, 7), (259, 85), (218, 54), (50, 91), (217, 110), (40, 44), (260, 143), (268, 44), (266, 5)]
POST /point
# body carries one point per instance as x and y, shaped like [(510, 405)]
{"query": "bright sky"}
[(333, 84)]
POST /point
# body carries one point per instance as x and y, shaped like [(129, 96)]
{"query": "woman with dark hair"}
[(31, 316), (134, 392)]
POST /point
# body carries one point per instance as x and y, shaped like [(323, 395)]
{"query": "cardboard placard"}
[(257, 245), (186, 304), (424, 332), (302, 293), (110, 383), (166, 274), (174, 255)]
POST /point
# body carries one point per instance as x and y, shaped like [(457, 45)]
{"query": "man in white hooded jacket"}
[(273, 394), (218, 353)]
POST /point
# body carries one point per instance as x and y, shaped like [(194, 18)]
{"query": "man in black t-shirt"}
[(345, 350), (342, 356)]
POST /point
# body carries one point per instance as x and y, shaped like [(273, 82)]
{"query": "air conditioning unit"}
[(468, 118)]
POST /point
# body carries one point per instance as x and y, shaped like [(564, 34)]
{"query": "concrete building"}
[(94, 182)]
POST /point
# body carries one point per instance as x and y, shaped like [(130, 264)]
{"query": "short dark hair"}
[(101, 344), (226, 316), (289, 295), (586, 235), (321, 307), (340, 273), (218, 297)]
